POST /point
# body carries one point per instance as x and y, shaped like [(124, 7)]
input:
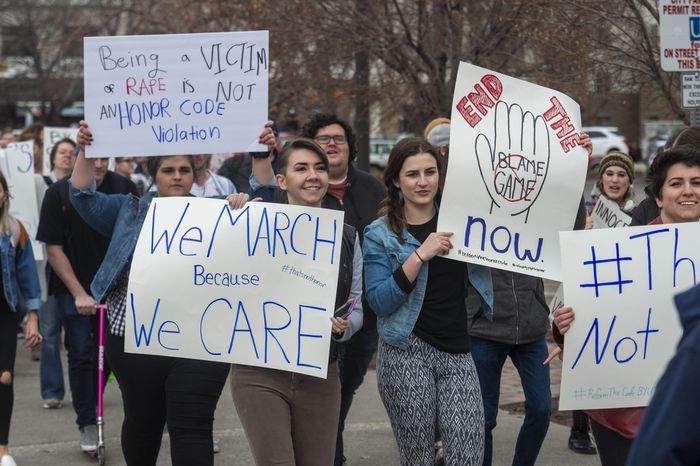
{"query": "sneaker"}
[(88, 438), (52, 403), (217, 448), (7, 460)]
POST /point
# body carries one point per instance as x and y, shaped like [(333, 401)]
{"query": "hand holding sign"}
[(514, 161)]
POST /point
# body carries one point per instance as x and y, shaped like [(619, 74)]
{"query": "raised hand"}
[(514, 159)]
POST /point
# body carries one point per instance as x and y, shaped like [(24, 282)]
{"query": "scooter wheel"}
[(101, 456)]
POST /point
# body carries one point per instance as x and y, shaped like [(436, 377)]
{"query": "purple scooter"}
[(101, 309)]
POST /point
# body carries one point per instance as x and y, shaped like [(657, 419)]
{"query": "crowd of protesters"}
[(441, 329)]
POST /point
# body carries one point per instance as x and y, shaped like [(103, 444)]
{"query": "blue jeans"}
[(82, 360), (50, 367), (355, 357), (489, 357)]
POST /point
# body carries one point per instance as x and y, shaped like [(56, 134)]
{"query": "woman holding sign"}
[(675, 185), (300, 424), (19, 277), (155, 390), (425, 370)]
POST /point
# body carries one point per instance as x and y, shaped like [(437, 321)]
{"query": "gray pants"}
[(422, 388), (289, 419)]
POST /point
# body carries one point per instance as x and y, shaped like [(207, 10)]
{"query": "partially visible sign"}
[(679, 31), (690, 89), (17, 164), (607, 214)]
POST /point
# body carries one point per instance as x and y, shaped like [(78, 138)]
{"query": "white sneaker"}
[(7, 460), (52, 403), (88, 438)]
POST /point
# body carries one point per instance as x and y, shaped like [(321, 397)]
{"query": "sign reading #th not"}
[(176, 93)]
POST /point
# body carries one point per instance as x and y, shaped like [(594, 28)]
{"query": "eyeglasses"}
[(325, 139)]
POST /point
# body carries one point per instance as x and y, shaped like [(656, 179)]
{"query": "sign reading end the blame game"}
[(176, 94), (253, 286), (621, 283), (516, 172)]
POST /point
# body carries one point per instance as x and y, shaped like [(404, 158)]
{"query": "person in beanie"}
[(616, 178)]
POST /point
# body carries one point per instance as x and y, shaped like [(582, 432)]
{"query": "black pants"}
[(613, 448), (8, 350), (159, 389)]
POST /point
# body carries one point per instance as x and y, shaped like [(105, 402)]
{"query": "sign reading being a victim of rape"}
[(516, 172), (176, 93), (620, 283), (253, 286)]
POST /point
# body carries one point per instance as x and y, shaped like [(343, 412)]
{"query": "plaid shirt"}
[(116, 303)]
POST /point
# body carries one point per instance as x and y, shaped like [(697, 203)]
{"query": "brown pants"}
[(289, 419)]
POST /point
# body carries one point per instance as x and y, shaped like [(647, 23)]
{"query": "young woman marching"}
[(425, 372)]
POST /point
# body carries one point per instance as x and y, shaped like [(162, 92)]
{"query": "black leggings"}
[(613, 448), (159, 389), (8, 351)]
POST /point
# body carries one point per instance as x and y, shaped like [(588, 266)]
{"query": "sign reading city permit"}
[(607, 214), (253, 286), (516, 172), (176, 94), (621, 283), (679, 33), (17, 164), (53, 134)]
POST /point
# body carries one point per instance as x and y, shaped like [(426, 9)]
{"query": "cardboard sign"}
[(621, 283), (516, 172), (176, 93), (53, 134), (607, 214), (17, 164), (253, 286)]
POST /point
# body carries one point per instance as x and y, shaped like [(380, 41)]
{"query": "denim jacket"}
[(19, 269), (119, 216), (397, 311)]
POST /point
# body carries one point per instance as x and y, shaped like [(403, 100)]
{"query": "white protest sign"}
[(176, 93), (17, 164), (254, 286), (607, 214), (516, 172), (53, 134), (679, 33), (621, 283)]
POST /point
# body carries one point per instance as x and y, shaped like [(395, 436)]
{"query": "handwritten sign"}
[(17, 164), (176, 94), (620, 282), (53, 134), (253, 286), (607, 214), (516, 172)]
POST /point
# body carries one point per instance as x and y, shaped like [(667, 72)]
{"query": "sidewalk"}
[(42, 437)]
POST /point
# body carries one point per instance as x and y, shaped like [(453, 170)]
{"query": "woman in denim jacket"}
[(19, 275), (425, 373), (155, 390)]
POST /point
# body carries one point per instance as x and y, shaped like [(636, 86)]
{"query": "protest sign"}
[(252, 286), (557, 300), (607, 214), (53, 134), (516, 172), (17, 164), (176, 93), (621, 283)]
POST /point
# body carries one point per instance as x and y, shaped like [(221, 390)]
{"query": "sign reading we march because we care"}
[(176, 93), (516, 172), (621, 283), (253, 286)]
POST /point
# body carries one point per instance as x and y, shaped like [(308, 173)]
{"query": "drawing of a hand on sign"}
[(513, 160)]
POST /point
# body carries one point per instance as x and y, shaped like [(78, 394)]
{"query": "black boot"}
[(580, 439)]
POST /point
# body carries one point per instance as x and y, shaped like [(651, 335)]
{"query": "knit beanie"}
[(618, 159), (437, 132)]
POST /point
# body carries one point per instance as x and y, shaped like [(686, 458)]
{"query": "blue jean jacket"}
[(119, 216), (19, 269), (397, 311)]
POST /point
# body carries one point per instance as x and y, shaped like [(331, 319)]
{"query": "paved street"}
[(49, 437)]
